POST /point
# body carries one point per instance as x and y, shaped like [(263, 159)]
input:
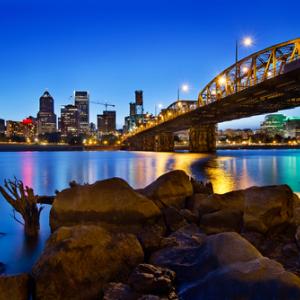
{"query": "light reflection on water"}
[(48, 171)]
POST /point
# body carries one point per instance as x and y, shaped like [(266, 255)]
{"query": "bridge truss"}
[(251, 70)]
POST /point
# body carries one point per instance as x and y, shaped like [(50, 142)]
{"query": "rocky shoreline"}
[(174, 239)]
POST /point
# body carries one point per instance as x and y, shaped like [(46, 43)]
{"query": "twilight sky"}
[(113, 47)]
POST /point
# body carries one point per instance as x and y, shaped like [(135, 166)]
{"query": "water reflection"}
[(48, 171)]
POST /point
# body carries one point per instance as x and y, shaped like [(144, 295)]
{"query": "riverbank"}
[(257, 146), (171, 240), (21, 147), (245, 147)]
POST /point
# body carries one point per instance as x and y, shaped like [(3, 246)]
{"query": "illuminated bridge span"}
[(264, 82)]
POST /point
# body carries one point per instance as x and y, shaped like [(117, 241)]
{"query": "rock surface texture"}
[(111, 203), (15, 287), (170, 189), (78, 261)]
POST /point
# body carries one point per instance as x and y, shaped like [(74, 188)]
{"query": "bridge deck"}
[(280, 92)]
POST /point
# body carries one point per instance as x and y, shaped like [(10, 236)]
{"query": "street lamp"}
[(159, 106), (247, 42), (185, 88)]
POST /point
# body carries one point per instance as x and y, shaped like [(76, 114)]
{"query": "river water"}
[(47, 171)]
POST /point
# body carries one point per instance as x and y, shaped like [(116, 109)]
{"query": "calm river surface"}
[(48, 171)]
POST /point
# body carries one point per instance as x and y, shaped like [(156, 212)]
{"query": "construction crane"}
[(104, 104)]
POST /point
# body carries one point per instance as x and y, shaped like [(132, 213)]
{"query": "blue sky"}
[(111, 48)]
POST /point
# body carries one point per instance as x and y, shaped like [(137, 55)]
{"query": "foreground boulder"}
[(222, 221), (149, 279), (256, 279), (78, 261), (170, 189), (205, 203), (112, 203), (261, 209), (15, 287), (145, 282), (266, 207), (224, 266)]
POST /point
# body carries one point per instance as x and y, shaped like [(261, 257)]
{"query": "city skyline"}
[(111, 57)]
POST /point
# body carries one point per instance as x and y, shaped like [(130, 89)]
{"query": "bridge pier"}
[(203, 138), (148, 143), (164, 142)]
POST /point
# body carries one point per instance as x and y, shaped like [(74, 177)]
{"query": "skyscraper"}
[(2, 126), (46, 118), (69, 120), (82, 103), (107, 121)]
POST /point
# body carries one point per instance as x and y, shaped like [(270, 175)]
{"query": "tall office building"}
[(69, 120), (82, 103), (107, 121), (46, 118), (2, 126)]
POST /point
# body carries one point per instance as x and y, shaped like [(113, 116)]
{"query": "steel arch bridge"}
[(263, 82), (251, 70)]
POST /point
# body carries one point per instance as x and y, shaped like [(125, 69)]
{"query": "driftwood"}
[(24, 201), (45, 199)]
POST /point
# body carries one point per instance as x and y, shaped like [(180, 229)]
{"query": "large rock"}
[(256, 279), (205, 203), (119, 291), (266, 207), (192, 260), (78, 261), (222, 221), (296, 210), (110, 203), (170, 189), (15, 287), (225, 266), (149, 279)]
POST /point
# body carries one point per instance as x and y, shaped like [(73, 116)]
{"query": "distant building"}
[(106, 122), (274, 124), (26, 129), (136, 113), (292, 127), (69, 120), (29, 128), (82, 103), (46, 118), (2, 126), (14, 128), (132, 110)]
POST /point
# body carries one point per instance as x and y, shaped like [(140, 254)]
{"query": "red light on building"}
[(27, 121)]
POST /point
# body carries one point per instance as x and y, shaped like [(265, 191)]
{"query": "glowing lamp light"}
[(185, 88), (245, 69), (247, 41), (222, 80)]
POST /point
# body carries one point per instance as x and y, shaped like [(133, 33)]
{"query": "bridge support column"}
[(203, 138), (164, 142), (148, 143)]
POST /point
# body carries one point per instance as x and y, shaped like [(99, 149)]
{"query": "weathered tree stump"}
[(24, 201)]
